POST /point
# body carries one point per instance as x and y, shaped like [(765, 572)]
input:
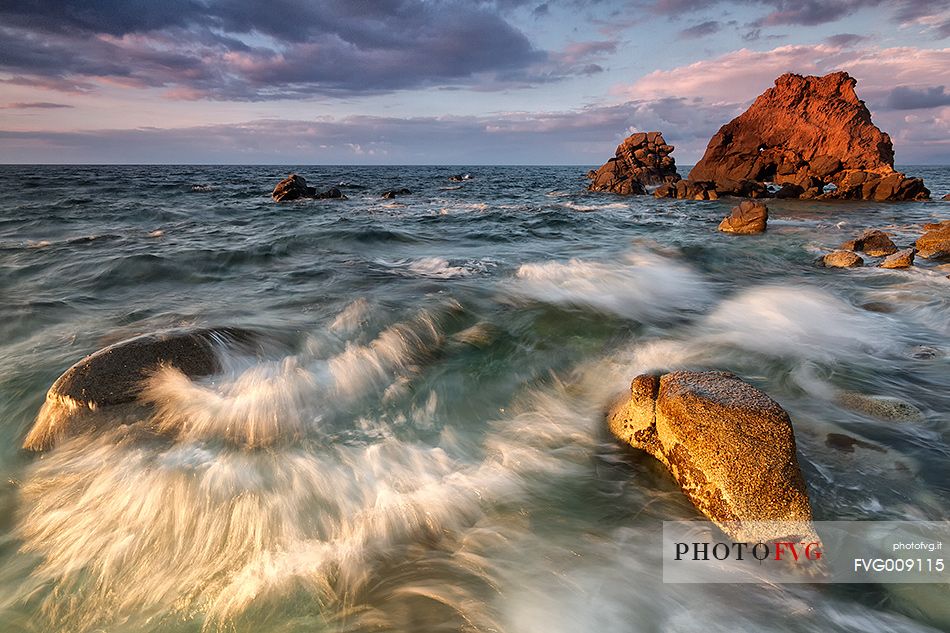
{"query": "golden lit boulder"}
[(730, 447)]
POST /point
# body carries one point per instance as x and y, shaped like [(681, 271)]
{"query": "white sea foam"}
[(794, 321), (643, 285), (437, 267)]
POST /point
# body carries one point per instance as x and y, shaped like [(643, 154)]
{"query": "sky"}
[(460, 82)]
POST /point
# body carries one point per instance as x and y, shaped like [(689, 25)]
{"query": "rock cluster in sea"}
[(642, 159), (811, 137), (294, 187)]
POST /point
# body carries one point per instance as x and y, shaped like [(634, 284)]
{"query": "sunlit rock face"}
[(808, 132), (641, 160), (730, 447)]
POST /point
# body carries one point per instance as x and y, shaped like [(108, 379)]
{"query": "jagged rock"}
[(293, 187), (901, 259), (392, 193), (730, 447), (116, 375), (935, 243), (746, 219), (842, 259), (808, 132), (873, 242), (642, 159)]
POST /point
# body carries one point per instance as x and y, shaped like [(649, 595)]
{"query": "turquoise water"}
[(436, 378)]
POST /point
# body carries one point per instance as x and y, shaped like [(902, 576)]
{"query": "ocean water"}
[(432, 397)]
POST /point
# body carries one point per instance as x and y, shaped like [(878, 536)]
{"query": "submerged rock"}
[(935, 243), (392, 193), (881, 407), (842, 259), (460, 177), (730, 447), (746, 219), (808, 132), (642, 159), (873, 242), (901, 259), (116, 375)]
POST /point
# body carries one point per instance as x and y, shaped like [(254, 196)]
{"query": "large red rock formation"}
[(808, 132), (642, 159)]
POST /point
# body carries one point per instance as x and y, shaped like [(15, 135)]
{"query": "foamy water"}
[(420, 444)]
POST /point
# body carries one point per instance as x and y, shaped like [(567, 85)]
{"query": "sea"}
[(435, 378)]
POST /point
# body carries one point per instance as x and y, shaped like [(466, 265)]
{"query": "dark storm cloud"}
[(904, 98), (701, 30), (246, 49)]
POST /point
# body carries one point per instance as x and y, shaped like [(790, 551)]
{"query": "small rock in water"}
[(873, 242), (746, 219), (392, 193), (901, 259), (730, 447), (925, 352), (842, 259), (935, 242), (293, 187), (460, 177)]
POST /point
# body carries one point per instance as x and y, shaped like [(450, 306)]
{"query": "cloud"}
[(38, 105), (247, 50), (845, 40), (814, 12), (905, 98), (701, 30)]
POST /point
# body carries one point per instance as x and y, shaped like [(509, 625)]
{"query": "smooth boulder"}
[(730, 447), (842, 259), (115, 376), (748, 218)]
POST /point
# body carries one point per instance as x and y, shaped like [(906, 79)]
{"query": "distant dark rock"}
[(790, 190), (332, 193), (746, 219), (293, 187), (392, 193), (460, 177)]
